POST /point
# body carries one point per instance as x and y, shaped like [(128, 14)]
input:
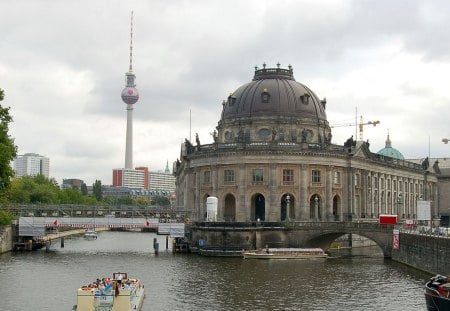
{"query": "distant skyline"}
[(63, 68)]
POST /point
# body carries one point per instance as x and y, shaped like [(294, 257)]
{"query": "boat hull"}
[(436, 303), (437, 293), (287, 253)]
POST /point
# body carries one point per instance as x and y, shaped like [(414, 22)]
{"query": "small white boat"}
[(285, 253), (90, 234), (118, 293)]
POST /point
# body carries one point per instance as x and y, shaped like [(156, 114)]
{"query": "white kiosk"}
[(211, 209)]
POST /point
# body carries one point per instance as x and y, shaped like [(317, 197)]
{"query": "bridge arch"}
[(322, 236), (258, 207)]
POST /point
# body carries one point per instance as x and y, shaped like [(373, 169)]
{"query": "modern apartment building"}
[(31, 164)]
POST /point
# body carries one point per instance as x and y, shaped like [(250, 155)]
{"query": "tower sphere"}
[(130, 95)]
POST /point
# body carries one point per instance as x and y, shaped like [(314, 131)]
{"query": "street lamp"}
[(316, 207), (288, 200), (445, 140)]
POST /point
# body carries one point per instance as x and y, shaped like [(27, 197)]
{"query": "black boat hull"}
[(436, 303)]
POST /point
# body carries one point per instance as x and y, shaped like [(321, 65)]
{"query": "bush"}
[(5, 218)]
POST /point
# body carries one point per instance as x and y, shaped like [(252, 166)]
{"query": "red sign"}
[(387, 219)]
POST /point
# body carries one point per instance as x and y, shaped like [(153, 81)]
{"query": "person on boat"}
[(119, 278)]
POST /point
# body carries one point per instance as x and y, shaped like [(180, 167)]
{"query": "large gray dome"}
[(275, 107), (274, 91)]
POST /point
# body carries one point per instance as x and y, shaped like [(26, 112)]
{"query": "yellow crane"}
[(359, 125)]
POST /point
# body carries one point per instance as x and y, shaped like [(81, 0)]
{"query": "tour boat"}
[(437, 293), (285, 253), (90, 234), (118, 293)]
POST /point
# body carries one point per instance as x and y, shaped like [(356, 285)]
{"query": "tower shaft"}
[(129, 139)]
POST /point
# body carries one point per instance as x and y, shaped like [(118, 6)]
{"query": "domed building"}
[(388, 151), (273, 160)]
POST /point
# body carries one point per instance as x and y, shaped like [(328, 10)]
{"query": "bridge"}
[(289, 234), (164, 213)]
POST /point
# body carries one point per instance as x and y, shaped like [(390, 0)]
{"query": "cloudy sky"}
[(63, 64)]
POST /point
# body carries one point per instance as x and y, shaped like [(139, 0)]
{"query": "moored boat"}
[(285, 253), (437, 293), (118, 293), (90, 234)]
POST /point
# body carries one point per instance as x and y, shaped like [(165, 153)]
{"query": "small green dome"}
[(388, 151)]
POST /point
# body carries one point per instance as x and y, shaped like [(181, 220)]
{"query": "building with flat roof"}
[(31, 164), (131, 178), (162, 183)]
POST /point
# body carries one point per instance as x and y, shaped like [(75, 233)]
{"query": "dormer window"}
[(305, 98), (231, 100), (265, 96)]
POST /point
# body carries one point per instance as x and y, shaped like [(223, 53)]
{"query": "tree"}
[(8, 150), (84, 190), (97, 190)]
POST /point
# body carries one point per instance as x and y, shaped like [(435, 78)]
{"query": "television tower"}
[(130, 96)]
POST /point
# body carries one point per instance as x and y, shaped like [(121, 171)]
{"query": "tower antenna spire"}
[(131, 43)]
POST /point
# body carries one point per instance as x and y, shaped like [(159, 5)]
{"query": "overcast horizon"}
[(63, 65)]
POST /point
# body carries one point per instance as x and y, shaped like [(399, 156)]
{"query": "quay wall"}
[(424, 252), (6, 239)]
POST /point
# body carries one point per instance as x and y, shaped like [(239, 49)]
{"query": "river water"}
[(43, 280)]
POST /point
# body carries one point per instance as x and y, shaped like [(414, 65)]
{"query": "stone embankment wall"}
[(6, 239), (427, 253)]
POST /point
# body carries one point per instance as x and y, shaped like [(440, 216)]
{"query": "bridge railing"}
[(322, 225)]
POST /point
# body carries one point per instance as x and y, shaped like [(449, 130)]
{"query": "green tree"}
[(34, 189), (160, 200), (97, 190), (84, 190), (8, 150)]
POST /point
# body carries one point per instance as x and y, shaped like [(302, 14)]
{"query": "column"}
[(303, 200), (329, 194)]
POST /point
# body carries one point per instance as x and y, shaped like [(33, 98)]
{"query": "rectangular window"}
[(315, 176), (258, 175), (337, 177), (207, 177), (288, 177), (228, 176)]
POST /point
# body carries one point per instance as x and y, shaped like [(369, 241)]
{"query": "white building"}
[(131, 178), (162, 182), (31, 164)]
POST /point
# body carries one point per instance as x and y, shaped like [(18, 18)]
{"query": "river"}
[(43, 280)]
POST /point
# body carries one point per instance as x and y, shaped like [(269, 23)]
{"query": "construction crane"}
[(360, 125)]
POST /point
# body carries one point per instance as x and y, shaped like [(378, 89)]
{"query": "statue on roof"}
[(350, 142), (425, 164)]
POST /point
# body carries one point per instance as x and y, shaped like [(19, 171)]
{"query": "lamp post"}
[(316, 207), (288, 200), (445, 140)]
